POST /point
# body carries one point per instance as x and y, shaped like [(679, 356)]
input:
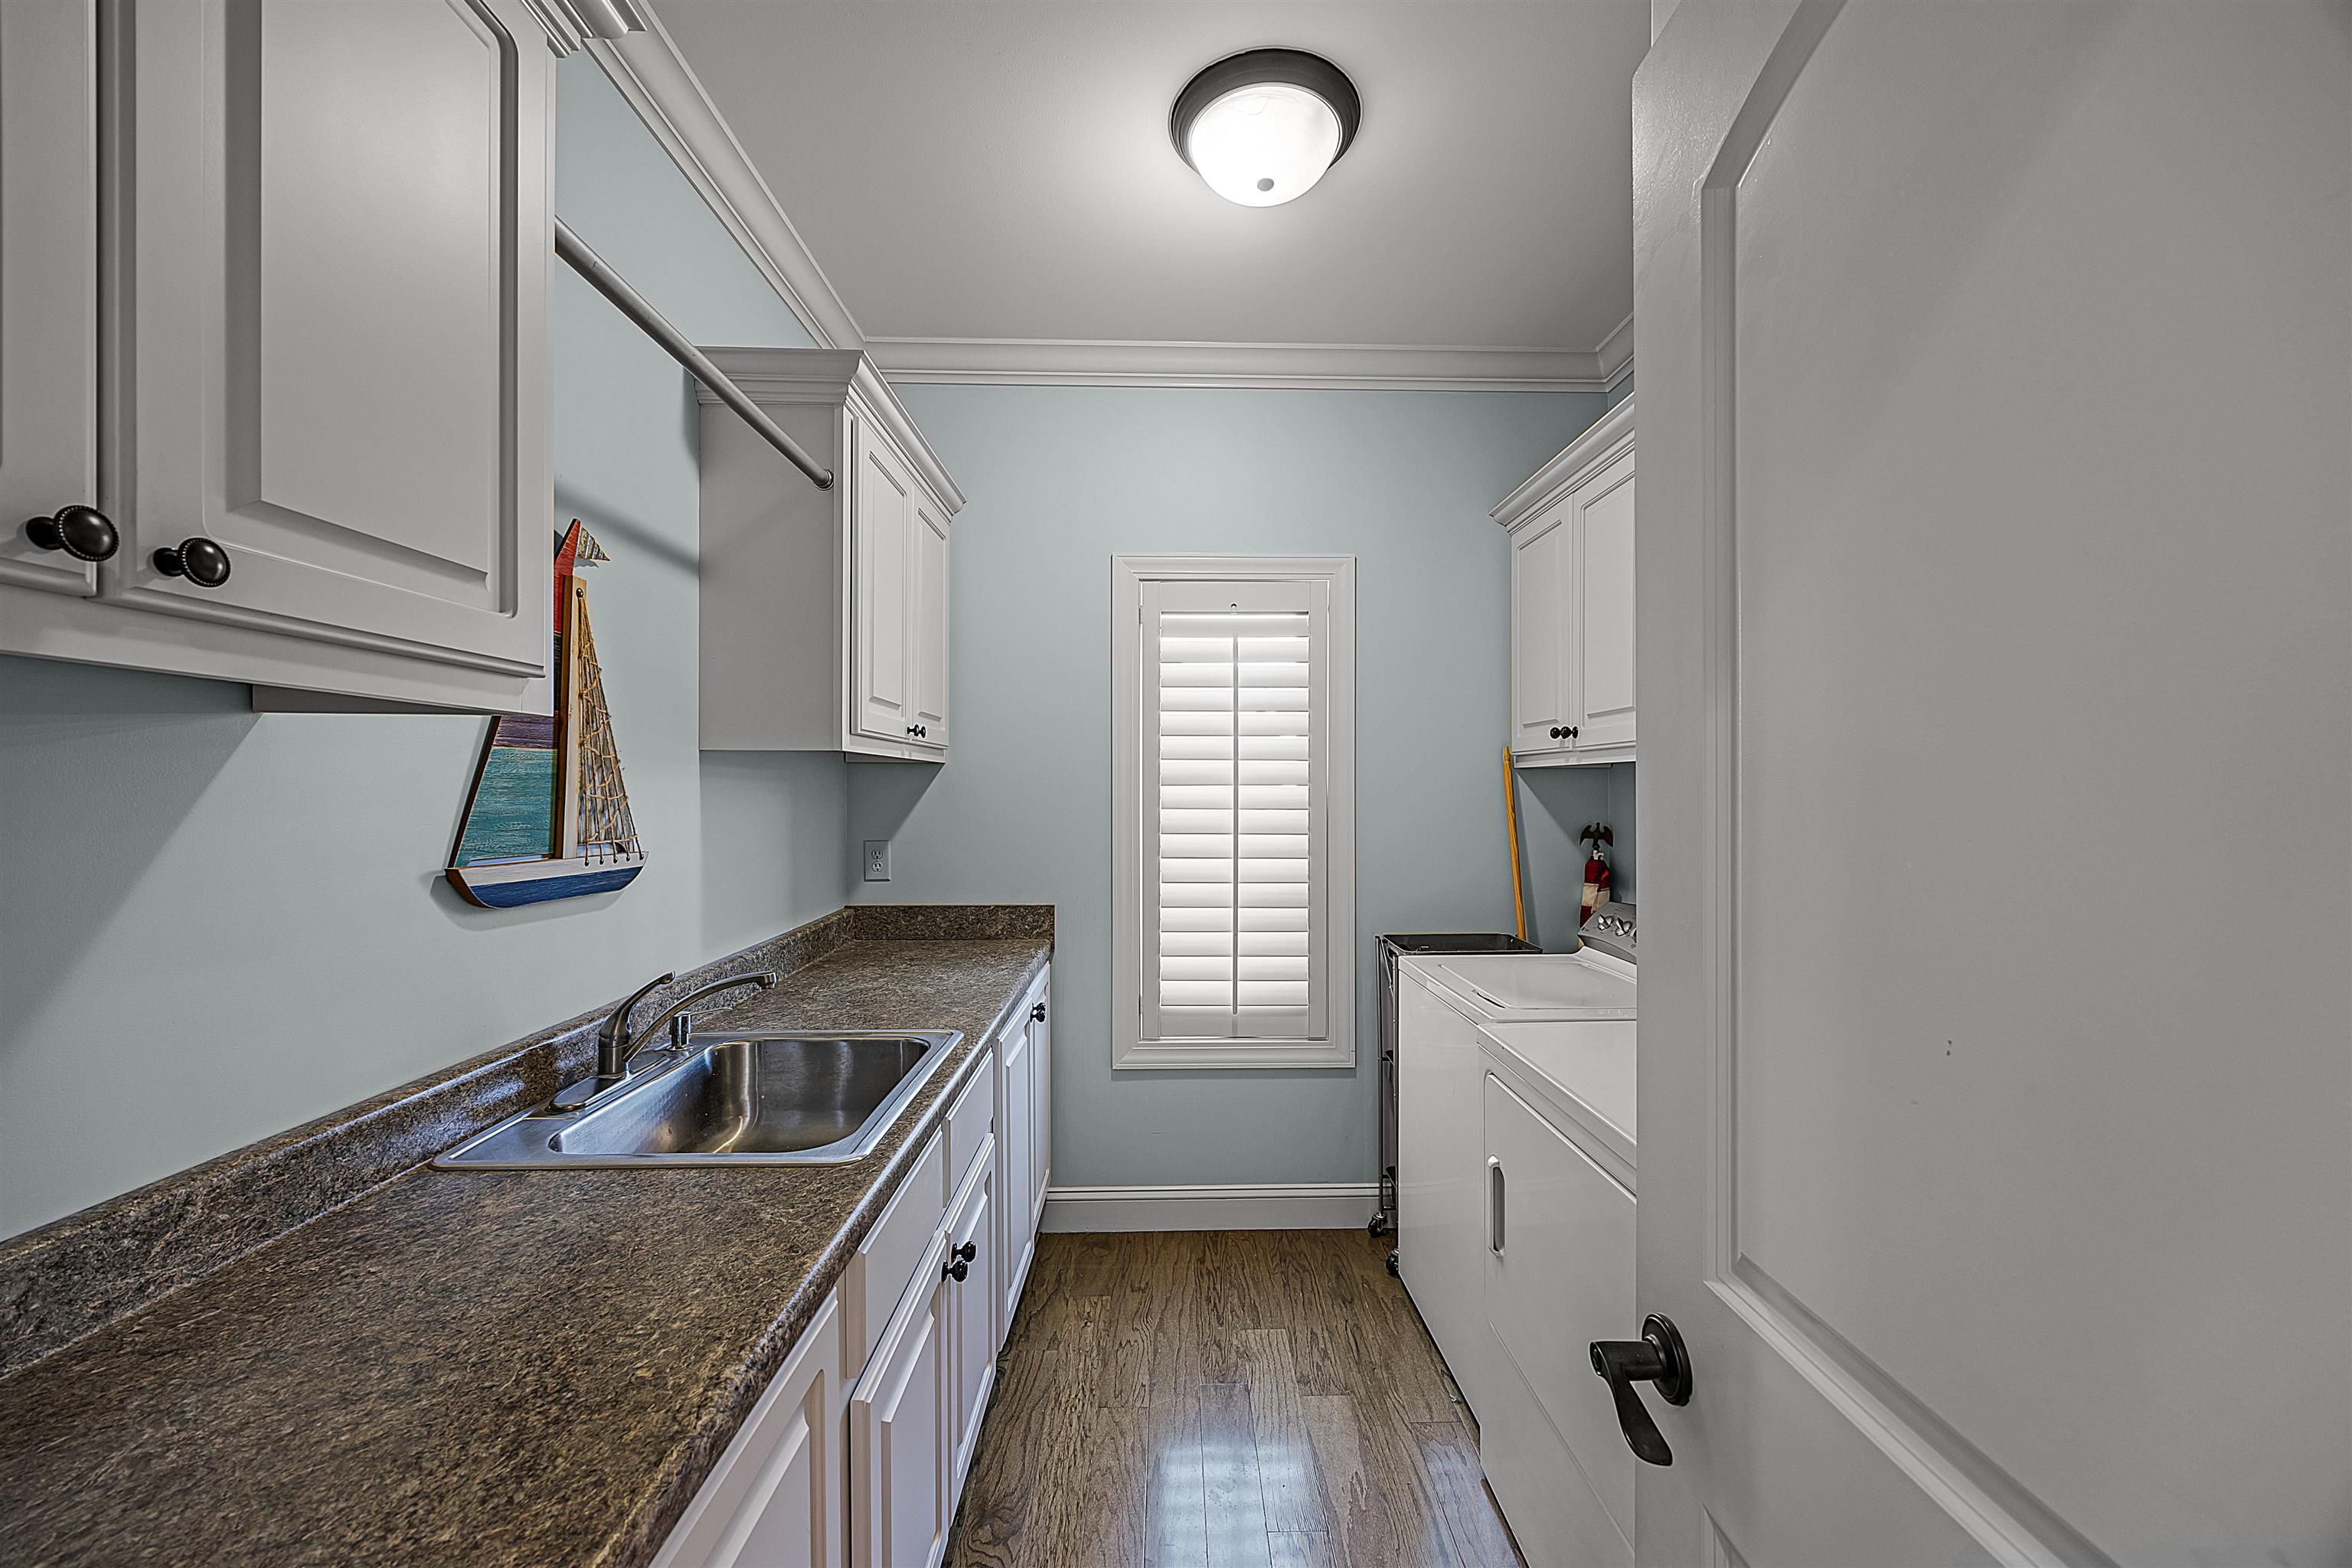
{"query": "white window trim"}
[(1336, 1046)]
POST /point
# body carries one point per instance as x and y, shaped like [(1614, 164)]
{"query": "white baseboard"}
[(1302, 1205)]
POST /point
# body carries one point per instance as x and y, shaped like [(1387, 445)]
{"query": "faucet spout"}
[(616, 1043), (764, 980)]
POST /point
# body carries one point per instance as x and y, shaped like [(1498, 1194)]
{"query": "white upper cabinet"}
[(824, 612), (1572, 529), (323, 406), (48, 292)]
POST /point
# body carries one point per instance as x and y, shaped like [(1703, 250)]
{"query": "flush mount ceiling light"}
[(1262, 126)]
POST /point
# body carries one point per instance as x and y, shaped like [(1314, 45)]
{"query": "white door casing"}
[(1963, 1172)]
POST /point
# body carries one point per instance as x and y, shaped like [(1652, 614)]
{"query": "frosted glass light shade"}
[(1264, 144), (1262, 127)]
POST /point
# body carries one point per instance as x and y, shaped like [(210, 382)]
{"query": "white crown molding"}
[(1372, 367), (1599, 445), (1304, 1206), (828, 376), (1616, 353), (644, 63), (669, 97)]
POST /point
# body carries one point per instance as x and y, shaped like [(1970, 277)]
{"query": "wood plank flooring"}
[(1224, 1399)]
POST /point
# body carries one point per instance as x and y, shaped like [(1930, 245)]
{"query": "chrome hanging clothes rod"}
[(634, 306)]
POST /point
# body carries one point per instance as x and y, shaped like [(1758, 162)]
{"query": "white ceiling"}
[(1001, 168)]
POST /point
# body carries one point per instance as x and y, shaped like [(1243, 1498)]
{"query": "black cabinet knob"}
[(1569, 733), (959, 1271), (1555, 731), (83, 533), (201, 561), (967, 1252), (1037, 1014), (1658, 1357)]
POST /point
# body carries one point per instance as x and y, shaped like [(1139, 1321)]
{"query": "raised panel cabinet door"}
[(882, 512), (1604, 606), (1015, 1131), (1559, 1275), (775, 1496), (1542, 645), (1041, 1099), (927, 621), (48, 282), (899, 1431), (338, 236), (972, 1308)]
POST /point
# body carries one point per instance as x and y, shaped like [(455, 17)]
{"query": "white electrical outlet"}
[(877, 859)]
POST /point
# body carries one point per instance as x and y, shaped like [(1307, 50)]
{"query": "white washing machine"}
[(1445, 1004), (1594, 982)]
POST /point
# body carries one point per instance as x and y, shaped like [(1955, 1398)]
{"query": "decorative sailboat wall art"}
[(548, 817)]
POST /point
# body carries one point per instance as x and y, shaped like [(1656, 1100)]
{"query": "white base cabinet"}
[(858, 1450), (824, 613), (1572, 529)]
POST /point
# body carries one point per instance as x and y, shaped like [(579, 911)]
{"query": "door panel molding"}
[(1998, 1513)]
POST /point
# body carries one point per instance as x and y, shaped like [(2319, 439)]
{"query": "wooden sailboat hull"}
[(509, 885)]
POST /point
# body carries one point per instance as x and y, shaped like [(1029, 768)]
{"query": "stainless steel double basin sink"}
[(733, 1099)]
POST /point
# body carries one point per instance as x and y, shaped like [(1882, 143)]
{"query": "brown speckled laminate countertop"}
[(468, 1367)]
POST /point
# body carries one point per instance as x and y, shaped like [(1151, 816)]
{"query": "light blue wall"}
[(1061, 480), (215, 925), (1555, 804)]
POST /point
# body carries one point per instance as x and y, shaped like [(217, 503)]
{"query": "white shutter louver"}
[(1233, 798), (1236, 820), (1234, 730)]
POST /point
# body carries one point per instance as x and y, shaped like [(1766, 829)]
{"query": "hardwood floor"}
[(1207, 1399)]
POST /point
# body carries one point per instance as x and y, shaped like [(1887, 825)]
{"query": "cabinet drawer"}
[(971, 1121), (877, 1276)]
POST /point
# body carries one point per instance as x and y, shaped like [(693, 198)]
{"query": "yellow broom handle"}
[(1511, 825)]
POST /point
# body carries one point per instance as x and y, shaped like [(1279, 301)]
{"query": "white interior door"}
[(48, 282), (336, 253), (1998, 1183)]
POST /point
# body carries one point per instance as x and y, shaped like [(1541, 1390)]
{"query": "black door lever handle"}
[(1656, 1357)]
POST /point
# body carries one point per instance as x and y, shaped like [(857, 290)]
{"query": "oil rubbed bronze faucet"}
[(616, 1045)]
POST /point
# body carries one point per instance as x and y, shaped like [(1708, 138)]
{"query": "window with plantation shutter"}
[(1234, 767)]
